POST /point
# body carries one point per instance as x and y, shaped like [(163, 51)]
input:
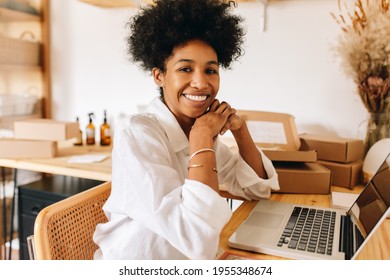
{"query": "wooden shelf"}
[(7, 15), (115, 3), (9, 71), (16, 67), (128, 3)]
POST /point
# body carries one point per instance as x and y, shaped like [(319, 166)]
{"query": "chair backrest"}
[(64, 230)]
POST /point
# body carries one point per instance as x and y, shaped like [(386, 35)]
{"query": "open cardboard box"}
[(270, 130), (276, 134)]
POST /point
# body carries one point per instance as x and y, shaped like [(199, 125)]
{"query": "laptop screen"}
[(373, 202)]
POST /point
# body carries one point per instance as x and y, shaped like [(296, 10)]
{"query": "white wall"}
[(289, 68)]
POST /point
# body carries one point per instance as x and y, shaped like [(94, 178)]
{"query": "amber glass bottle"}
[(90, 131), (79, 139), (105, 132)]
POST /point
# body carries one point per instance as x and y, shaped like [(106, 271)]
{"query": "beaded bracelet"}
[(201, 151)]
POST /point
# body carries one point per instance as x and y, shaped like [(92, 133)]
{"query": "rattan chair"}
[(64, 230)]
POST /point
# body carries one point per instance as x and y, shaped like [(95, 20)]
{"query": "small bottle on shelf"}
[(105, 132), (79, 139), (90, 131)]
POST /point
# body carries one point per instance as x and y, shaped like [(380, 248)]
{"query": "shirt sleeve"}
[(147, 188), (240, 179)]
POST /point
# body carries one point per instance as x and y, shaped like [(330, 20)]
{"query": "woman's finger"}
[(222, 107), (213, 107)]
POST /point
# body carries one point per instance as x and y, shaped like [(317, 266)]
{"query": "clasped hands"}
[(219, 118)]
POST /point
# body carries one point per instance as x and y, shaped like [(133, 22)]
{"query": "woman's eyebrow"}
[(183, 60), (211, 62)]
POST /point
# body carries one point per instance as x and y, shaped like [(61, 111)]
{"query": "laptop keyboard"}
[(309, 230)]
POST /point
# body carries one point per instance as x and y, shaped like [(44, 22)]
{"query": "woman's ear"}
[(158, 76)]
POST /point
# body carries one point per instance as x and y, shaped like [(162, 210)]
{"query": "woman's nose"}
[(199, 80)]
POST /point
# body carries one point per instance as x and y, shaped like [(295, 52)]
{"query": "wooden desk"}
[(59, 164), (377, 248)]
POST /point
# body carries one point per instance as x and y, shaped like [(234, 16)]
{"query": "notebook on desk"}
[(307, 232)]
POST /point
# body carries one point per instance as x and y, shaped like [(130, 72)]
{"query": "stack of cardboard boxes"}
[(298, 171), (342, 156), (305, 164), (37, 138)]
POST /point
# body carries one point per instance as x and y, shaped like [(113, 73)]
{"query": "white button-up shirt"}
[(154, 211)]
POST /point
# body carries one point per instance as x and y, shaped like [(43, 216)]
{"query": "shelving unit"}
[(7, 15), (24, 76), (128, 3), (116, 3), (138, 3)]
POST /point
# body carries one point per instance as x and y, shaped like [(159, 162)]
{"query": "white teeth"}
[(196, 97)]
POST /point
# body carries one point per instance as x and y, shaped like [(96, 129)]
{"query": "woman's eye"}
[(185, 69), (211, 71)]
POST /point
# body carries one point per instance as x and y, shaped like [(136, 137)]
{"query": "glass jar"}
[(378, 127)]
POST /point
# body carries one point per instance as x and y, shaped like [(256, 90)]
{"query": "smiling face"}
[(190, 82)]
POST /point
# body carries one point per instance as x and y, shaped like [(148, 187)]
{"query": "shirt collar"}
[(171, 126)]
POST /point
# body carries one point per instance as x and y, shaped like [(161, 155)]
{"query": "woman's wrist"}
[(200, 140), (203, 150), (240, 132)]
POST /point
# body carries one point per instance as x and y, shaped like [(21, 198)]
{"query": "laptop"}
[(308, 232)]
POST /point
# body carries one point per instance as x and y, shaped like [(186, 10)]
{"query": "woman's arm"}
[(202, 163), (248, 150)]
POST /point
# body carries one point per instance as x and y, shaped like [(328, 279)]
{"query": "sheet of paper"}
[(267, 132), (87, 158), (343, 200)]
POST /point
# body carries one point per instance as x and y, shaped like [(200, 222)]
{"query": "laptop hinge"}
[(346, 237)]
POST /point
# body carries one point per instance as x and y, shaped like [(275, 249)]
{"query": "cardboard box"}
[(271, 130), (16, 149), (276, 134), (45, 129), (291, 156), (336, 149), (345, 174), (307, 178)]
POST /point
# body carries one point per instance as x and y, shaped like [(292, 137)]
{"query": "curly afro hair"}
[(157, 29)]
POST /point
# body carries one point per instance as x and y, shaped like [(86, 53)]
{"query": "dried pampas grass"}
[(364, 47)]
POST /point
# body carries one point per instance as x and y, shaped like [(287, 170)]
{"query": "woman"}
[(168, 162)]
